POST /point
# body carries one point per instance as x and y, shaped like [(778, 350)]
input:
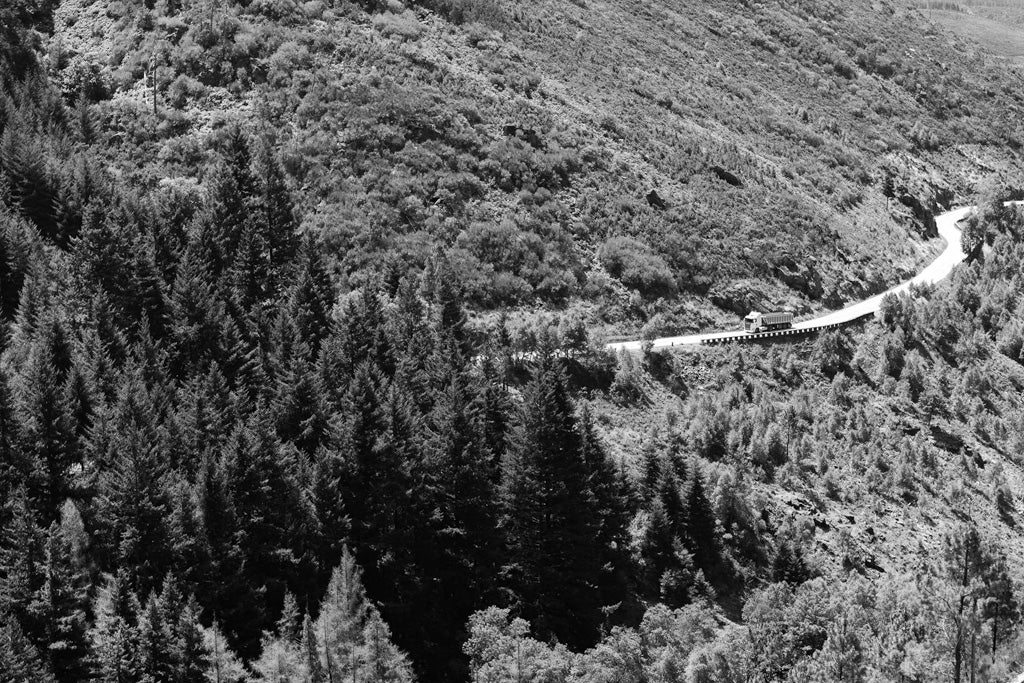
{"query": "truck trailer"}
[(765, 322)]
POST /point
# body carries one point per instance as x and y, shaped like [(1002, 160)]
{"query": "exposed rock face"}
[(727, 176), (742, 296), (923, 215), (802, 277), (655, 200)]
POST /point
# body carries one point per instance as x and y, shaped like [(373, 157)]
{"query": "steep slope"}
[(664, 165)]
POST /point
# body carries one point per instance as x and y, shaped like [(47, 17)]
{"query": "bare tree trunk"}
[(974, 634)]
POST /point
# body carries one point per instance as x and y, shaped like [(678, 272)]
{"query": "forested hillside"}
[(301, 374), (655, 166)]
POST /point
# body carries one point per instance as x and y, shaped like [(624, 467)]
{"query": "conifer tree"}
[(224, 665), (382, 661), (22, 547), (299, 407), (46, 430), (59, 608), (613, 514), (343, 614), (311, 652), (133, 506), (231, 189), (355, 641), (19, 660), (196, 313), (495, 410), (667, 563), (274, 213), (387, 525), (412, 340), (458, 490), (311, 298), (155, 657), (702, 531), (13, 468), (789, 564), (114, 636), (279, 662), (553, 555), (224, 589), (271, 510)]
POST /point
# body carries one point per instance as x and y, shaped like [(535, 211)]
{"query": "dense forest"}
[(240, 443)]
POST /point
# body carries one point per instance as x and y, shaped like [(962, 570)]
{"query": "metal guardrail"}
[(742, 337)]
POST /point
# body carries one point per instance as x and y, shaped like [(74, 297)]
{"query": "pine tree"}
[(231, 189), (789, 564), (382, 661), (388, 526), (190, 654), (495, 412), (13, 467), (19, 660), (553, 553), (343, 615), (461, 546), (224, 665), (311, 651), (279, 662), (271, 509), (411, 337), (59, 607), (196, 313), (133, 506), (225, 590), (155, 656), (667, 564), (289, 626), (355, 641), (613, 515), (702, 531), (299, 405), (22, 548), (205, 414), (274, 214), (311, 298), (46, 430), (114, 634)]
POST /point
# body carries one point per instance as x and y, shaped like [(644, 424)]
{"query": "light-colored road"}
[(934, 272)]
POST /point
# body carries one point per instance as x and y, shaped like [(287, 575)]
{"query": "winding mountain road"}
[(934, 272)]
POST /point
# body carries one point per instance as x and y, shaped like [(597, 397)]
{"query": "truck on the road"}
[(765, 322)]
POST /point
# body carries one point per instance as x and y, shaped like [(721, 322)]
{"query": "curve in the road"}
[(934, 272)]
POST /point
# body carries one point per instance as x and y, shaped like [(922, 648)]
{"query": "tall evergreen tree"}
[(133, 504), (59, 607), (461, 548), (702, 531), (22, 547), (231, 189), (553, 564), (47, 430), (225, 590), (274, 218), (613, 515), (354, 641), (19, 660), (114, 636), (271, 509)]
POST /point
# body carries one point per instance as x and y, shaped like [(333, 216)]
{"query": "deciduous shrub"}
[(637, 267)]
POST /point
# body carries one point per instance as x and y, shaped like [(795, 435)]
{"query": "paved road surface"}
[(937, 270)]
